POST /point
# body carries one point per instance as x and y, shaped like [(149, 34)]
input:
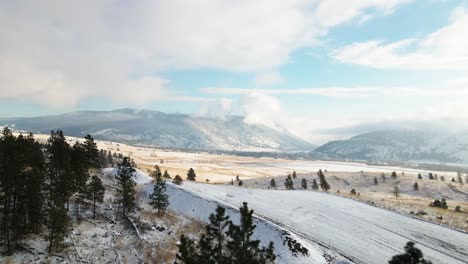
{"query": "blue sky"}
[(310, 66)]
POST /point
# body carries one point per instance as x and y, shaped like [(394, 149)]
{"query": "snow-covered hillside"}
[(396, 145), (144, 127), (361, 232)]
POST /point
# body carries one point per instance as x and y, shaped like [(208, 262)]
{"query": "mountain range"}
[(399, 145), (153, 128), (181, 131)]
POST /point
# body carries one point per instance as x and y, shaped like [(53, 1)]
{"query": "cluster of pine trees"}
[(225, 242), (37, 182)]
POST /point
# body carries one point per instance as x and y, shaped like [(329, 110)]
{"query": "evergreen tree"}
[(353, 192), (240, 183), (442, 178), (323, 182), (419, 176), (92, 152), (216, 229), (294, 175), (288, 183), (415, 186), (314, 184), (243, 249), (126, 189), (156, 173), (110, 160), (60, 175), (159, 197), (412, 255), (376, 182), (191, 175), (58, 223), (177, 180), (166, 175), (96, 192), (394, 175), (187, 251), (304, 184), (80, 175), (431, 176), (273, 183)]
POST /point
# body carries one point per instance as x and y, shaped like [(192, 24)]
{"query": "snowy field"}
[(361, 232)]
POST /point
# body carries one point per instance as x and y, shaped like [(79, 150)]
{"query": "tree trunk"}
[(94, 208)]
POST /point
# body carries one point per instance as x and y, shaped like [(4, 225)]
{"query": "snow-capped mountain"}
[(399, 145), (145, 127)]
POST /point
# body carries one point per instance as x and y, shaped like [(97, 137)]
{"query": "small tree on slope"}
[(288, 183), (159, 197), (126, 190), (96, 192), (304, 184), (412, 255)]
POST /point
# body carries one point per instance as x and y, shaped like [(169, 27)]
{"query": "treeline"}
[(37, 182)]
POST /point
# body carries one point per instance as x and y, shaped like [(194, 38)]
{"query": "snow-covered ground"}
[(199, 207), (361, 232)]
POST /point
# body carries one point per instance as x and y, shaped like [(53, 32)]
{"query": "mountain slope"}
[(398, 145), (145, 127)]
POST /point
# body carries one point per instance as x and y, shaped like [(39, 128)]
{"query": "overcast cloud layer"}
[(60, 53)]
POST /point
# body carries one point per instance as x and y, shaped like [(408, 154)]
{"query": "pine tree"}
[(79, 168), (219, 222), (92, 152), (304, 184), (353, 192), (60, 174), (240, 183), (314, 184), (273, 183), (294, 175), (96, 192), (243, 249), (177, 180), (187, 251), (419, 176), (323, 182), (159, 197), (126, 190), (442, 178), (376, 182), (110, 160), (431, 176), (58, 223), (155, 173), (191, 175), (394, 175), (412, 255), (166, 175), (383, 177), (415, 186), (288, 183)]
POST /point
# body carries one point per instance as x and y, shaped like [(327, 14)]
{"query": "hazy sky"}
[(318, 68)]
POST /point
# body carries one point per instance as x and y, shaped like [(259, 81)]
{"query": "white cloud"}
[(217, 108), (268, 78), (450, 90), (442, 49), (59, 52)]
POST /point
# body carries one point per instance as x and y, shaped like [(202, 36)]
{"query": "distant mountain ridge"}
[(399, 145), (146, 127)]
